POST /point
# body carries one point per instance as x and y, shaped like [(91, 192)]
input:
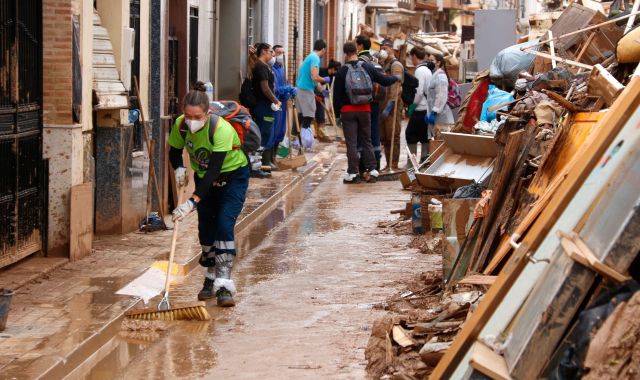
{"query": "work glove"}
[(412, 108), (275, 107), (388, 109), (184, 209), (181, 177), (431, 118), (327, 80), (325, 93)]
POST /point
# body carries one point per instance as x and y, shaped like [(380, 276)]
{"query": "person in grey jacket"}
[(439, 116)]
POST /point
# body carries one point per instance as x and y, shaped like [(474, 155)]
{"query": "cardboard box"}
[(465, 158)]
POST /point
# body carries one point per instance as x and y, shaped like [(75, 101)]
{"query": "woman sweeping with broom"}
[(221, 181)]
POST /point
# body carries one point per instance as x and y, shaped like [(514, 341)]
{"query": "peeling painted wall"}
[(63, 146)]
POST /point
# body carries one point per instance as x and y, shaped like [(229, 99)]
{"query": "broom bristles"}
[(196, 311)]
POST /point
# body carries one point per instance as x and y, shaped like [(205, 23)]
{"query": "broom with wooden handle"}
[(164, 311)]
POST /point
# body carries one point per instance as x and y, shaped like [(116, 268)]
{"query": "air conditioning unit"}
[(128, 53)]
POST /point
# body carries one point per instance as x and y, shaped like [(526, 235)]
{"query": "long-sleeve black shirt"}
[(340, 97)]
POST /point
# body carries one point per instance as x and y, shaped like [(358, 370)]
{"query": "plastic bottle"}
[(209, 90), (435, 215), (416, 215)]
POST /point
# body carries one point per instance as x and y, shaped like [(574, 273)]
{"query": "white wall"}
[(205, 45)]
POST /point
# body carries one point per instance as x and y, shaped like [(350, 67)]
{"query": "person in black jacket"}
[(356, 118)]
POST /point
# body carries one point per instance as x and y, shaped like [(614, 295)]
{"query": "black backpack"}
[(247, 95), (410, 86)]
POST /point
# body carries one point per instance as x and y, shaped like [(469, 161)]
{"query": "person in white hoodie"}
[(417, 131), (439, 117)]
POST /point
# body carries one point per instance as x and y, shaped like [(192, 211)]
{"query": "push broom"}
[(164, 311)]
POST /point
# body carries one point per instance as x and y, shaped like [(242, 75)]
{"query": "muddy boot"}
[(274, 154), (223, 285), (207, 289)]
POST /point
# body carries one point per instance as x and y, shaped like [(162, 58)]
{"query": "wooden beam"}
[(592, 27), (561, 60), (573, 176), (489, 363), (578, 251)]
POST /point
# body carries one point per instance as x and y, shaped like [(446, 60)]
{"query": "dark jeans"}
[(264, 116), (417, 131), (218, 211), (357, 129), (375, 136)]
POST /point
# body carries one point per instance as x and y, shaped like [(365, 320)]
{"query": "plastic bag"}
[(496, 96), (306, 135), (511, 61)]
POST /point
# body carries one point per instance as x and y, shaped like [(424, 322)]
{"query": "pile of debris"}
[(537, 202)]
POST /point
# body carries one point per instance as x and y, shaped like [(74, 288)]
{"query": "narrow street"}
[(306, 297)]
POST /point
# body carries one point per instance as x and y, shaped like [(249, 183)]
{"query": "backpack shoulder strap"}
[(213, 125), (182, 128)]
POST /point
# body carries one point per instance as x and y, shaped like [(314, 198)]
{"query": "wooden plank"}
[(578, 251), (611, 229), (573, 178), (81, 221), (478, 279), (488, 362), (499, 184)]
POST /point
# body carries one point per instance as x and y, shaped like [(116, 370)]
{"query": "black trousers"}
[(357, 129), (417, 131)]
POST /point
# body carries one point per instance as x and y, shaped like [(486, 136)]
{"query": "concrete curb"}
[(84, 350)]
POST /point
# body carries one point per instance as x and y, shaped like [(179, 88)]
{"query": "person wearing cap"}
[(390, 129)]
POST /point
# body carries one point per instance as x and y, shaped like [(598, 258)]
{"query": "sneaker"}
[(373, 176), (350, 178), (225, 299), (207, 290)]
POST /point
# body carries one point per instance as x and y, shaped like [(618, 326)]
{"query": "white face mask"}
[(383, 54), (280, 59), (272, 61), (196, 125)]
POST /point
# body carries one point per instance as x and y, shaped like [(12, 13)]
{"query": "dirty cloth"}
[(547, 112), (218, 211)]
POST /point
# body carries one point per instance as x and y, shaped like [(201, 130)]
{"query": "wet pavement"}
[(306, 295), (60, 319)]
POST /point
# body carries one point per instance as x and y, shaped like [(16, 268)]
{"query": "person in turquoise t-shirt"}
[(221, 178), (308, 76)]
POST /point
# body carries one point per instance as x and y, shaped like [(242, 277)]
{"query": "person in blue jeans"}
[(221, 180), (267, 104)]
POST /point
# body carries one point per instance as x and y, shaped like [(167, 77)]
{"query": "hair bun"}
[(199, 86)]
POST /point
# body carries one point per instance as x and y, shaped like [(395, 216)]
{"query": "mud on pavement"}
[(308, 295)]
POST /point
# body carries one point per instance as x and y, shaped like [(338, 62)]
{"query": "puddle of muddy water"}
[(185, 350)]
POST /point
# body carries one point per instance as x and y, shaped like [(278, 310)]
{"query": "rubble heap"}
[(532, 202)]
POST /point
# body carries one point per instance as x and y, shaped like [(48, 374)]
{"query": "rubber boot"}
[(266, 157), (413, 148), (274, 154), (224, 286), (425, 152)]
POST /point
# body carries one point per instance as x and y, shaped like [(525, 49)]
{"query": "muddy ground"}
[(308, 296)]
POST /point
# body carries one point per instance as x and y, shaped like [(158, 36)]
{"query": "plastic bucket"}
[(5, 304)]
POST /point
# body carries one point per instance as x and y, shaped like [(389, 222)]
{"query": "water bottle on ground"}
[(416, 215)]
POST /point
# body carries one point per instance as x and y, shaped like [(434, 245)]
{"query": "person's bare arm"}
[(266, 90), (315, 76)]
